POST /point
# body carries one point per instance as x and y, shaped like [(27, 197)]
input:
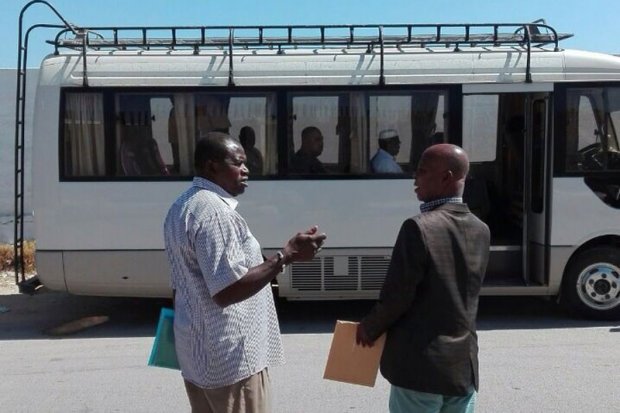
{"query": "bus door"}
[(536, 184)]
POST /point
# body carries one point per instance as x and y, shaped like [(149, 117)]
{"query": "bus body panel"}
[(130, 215), (117, 273), (578, 215), (50, 269), (558, 258), (302, 69)]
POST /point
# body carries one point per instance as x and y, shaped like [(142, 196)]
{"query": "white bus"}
[(118, 112)]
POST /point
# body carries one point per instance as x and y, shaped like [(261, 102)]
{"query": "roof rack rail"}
[(281, 37), (145, 37), (196, 38)]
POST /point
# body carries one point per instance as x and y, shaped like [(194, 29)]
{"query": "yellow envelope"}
[(350, 363)]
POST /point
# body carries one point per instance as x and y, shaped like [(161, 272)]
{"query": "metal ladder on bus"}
[(26, 285)]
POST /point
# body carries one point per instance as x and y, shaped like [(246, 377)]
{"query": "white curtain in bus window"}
[(161, 110), (253, 123), (182, 132), (358, 133), (212, 113), (480, 117), (271, 138), (84, 135), (425, 107)]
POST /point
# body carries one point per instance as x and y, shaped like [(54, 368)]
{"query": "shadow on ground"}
[(31, 317)]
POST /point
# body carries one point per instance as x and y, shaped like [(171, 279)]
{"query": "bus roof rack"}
[(370, 35), (281, 37)]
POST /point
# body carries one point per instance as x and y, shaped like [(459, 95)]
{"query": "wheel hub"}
[(602, 287), (598, 286)]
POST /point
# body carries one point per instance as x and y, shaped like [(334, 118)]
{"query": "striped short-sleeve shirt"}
[(209, 247)]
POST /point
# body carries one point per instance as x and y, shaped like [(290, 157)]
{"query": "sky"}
[(594, 23)]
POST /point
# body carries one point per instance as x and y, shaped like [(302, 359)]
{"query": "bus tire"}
[(591, 286)]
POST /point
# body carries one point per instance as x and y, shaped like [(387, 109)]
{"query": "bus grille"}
[(373, 272), (306, 276), (329, 273)]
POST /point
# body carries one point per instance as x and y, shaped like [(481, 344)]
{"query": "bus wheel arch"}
[(591, 282)]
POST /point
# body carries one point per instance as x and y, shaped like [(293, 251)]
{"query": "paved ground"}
[(7, 283), (533, 359)]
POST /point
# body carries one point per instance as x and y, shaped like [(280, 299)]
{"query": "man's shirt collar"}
[(203, 183), (430, 205)]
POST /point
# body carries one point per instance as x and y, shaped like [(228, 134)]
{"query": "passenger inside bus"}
[(247, 137), (139, 152), (140, 157), (212, 114), (305, 160), (384, 160)]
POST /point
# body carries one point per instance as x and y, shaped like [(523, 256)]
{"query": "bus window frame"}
[(560, 150), (453, 94)]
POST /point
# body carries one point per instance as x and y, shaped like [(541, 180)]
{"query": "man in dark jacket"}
[(429, 300)]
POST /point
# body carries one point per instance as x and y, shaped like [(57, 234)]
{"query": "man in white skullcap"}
[(384, 161)]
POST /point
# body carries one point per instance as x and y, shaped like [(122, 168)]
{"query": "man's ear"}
[(448, 176), (209, 168)]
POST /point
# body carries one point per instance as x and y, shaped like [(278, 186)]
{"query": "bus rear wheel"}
[(591, 286)]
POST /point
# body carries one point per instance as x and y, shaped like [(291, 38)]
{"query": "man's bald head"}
[(311, 141), (441, 172), (450, 156)]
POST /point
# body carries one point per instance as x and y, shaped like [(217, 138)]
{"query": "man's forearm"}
[(251, 283)]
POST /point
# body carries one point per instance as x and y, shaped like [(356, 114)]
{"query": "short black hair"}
[(308, 131), (244, 136), (213, 147)]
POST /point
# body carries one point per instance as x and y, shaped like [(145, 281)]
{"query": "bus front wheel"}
[(591, 286)]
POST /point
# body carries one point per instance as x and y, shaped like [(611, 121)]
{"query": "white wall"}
[(8, 86)]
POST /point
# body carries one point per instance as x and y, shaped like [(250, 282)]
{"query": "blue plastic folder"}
[(163, 353)]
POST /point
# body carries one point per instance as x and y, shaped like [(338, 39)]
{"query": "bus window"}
[(358, 133), (253, 122), (588, 130), (593, 117), (251, 119), (160, 111), (417, 119), (612, 125), (84, 138), (192, 117), (181, 132), (138, 149), (316, 146)]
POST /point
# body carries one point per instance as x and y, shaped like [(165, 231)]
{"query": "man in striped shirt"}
[(226, 327)]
